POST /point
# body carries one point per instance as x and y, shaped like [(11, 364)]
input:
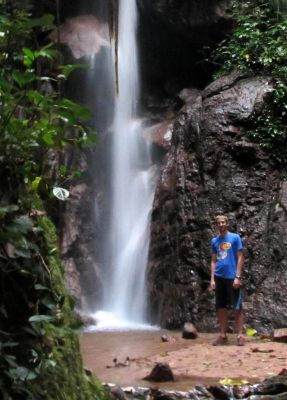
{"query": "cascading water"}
[(132, 189)]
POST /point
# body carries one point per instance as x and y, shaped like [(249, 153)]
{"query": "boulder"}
[(161, 372), (189, 331), (280, 335), (160, 134), (273, 386), (118, 393)]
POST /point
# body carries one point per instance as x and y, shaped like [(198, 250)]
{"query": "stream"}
[(193, 362)]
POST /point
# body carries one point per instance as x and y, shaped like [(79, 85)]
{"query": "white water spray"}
[(133, 181)]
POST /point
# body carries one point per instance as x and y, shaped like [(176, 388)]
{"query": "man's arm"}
[(240, 261), (212, 268)]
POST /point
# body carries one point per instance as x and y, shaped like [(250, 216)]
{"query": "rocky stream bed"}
[(201, 371)]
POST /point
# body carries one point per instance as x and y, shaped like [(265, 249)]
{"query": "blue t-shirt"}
[(225, 248)]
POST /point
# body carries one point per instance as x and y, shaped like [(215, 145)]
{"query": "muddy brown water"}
[(192, 361)]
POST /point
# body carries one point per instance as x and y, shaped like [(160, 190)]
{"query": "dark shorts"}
[(226, 296)]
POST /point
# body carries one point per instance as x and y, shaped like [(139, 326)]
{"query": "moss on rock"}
[(65, 378)]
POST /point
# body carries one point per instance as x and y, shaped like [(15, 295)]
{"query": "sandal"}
[(240, 340), (220, 341)]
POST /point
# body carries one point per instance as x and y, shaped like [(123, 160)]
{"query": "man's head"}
[(221, 222)]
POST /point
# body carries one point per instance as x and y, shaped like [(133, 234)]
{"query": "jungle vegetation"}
[(39, 349), (258, 46)]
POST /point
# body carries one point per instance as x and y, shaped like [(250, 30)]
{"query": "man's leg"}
[(222, 315), (221, 310), (238, 315)]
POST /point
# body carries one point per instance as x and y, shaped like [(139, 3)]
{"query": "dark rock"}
[(161, 372), (272, 386), (189, 331), (219, 392), (245, 152), (167, 338), (223, 83), (156, 394), (79, 238), (173, 33), (241, 391), (160, 134), (189, 95), (281, 396), (280, 335), (163, 395), (88, 372), (213, 167), (271, 389), (201, 392), (118, 393)]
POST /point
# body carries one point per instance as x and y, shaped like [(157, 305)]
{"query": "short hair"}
[(221, 216)]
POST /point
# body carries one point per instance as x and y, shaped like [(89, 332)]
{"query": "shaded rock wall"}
[(212, 167), (185, 15), (173, 36), (170, 40), (80, 239)]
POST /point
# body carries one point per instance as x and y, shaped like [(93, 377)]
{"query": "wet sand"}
[(192, 361)]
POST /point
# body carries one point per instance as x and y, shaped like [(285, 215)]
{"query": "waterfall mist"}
[(131, 189)]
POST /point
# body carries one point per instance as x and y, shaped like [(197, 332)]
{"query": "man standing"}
[(226, 268)]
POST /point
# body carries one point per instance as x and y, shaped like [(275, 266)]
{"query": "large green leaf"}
[(22, 373), (45, 22), (41, 318), (66, 70), (23, 223), (23, 78), (8, 209)]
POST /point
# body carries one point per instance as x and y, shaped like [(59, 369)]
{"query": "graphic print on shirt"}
[(225, 249), (222, 251)]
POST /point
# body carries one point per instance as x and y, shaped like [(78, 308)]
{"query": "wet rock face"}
[(172, 35), (79, 241), (212, 167), (182, 14), (84, 35)]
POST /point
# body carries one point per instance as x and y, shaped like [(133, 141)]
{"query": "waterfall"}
[(132, 184)]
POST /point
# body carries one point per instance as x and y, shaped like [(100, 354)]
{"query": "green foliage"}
[(39, 351), (34, 118), (22, 270), (258, 45), (40, 355)]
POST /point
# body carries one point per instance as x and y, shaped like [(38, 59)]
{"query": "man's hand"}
[(212, 268), (236, 283)]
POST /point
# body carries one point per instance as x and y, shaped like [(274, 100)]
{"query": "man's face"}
[(221, 224)]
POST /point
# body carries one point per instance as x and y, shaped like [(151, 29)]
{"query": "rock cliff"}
[(213, 167)]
